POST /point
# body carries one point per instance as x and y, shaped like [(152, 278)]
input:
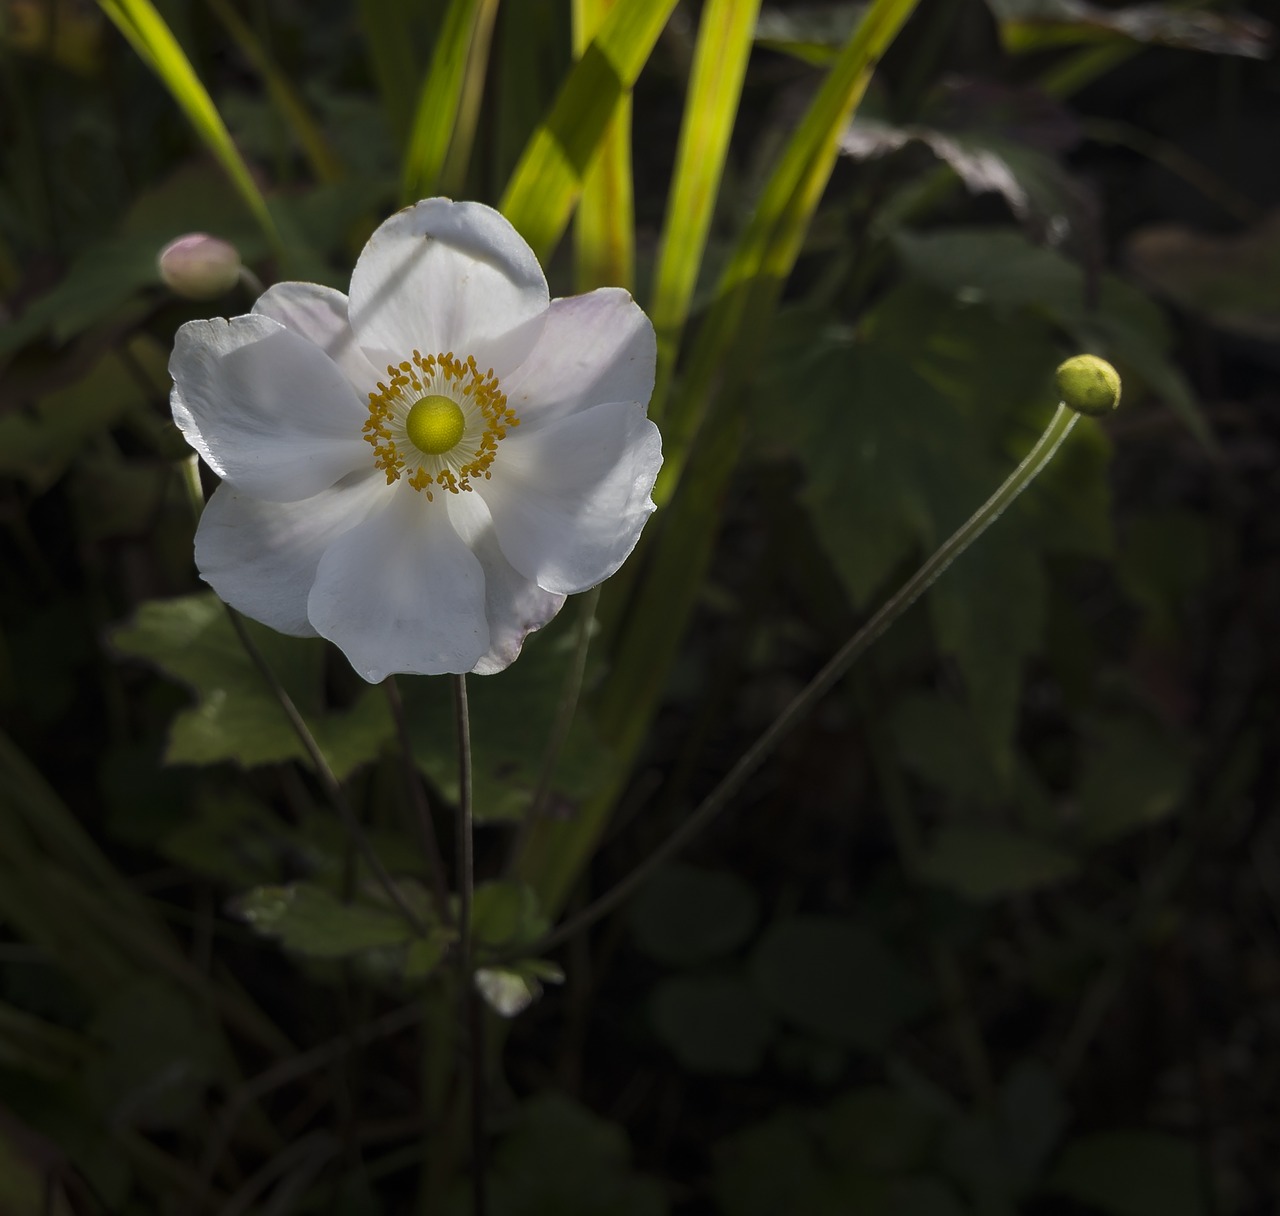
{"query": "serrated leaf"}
[(236, 715), (312, 921)]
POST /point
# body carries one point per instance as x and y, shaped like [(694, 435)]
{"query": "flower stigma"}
[(438, 419)]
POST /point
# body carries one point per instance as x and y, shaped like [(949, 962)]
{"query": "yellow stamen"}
[(439, 419)]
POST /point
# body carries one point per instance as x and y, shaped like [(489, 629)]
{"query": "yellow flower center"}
[(435, 424), (438, 419)]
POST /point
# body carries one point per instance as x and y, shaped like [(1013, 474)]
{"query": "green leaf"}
[(161, 1053), (560, 1158), (834, 978), (1232, 280), (1001, 268), (1132, 1173), (547, 181), (989, 863), (712, 1023), (813, 33), (684, 915), (142, 25), (511, 717), (312, 921), (506, 914), (1135, 773), (236, 716), (938, 739), (882, 1128)]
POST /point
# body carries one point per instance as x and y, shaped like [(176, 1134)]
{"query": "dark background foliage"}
[(994, 932)]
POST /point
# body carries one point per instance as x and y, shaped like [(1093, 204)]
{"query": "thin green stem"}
[(421, 808), (332, 786), (470, 1011), (1039, 456)]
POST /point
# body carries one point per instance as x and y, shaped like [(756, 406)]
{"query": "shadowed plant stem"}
[(1039, 456), (332, 786), (470, 1012)]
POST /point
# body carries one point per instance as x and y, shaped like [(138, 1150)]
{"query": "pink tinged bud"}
[(199, 267)]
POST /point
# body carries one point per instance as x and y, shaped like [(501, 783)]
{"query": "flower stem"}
[(1017, 481), (332, 786), (470, 1011), (418, 800)]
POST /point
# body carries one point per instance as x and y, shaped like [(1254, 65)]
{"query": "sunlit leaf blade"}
[(461, 51), (604, 228), (555, 853), (286, 98), (387, 26), (147, 32), (548, 180), (719, 66)]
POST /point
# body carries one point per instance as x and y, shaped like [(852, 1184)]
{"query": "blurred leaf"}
[(813, 33), (31, 1044), (560, 1158), (684, 915), (546, 183), (1001, 268), (881, 1128), (1134, 774), (142, 25), (312, 921), (999, 1157), (161, 1052), (938, 739), (1166, 559), (711, 106), (506, 914), (511, 716), (712, 1023), (988, 863), (1233, 281), (29, 1174), (38, 444), (766, 1170), (1027, 25), (1132, 1173), (833, 977), (236, 716)]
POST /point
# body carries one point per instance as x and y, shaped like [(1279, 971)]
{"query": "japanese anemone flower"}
[(421, 471)]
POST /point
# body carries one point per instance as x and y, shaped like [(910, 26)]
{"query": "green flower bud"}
[(199, 267), (1089, 385)]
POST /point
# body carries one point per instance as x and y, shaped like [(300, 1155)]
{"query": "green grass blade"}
[(147, 32), (457, 71), (719, 67), (604, 226), (548, 180), (658, 610), (282, 93), (389, 38)]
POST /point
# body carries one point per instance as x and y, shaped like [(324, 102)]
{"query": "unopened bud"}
[(1089, 385), (199, 267)]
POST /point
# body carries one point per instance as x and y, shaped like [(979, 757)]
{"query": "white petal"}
[(514, 605), (261, 557), (402, 592), (265, 408), (569, 499), (319, 314), (442, 276), (593, 348)]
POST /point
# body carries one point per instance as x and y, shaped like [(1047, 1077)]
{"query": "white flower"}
[(422, 471)]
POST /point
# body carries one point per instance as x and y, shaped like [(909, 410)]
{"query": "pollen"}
[(437, 421)]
